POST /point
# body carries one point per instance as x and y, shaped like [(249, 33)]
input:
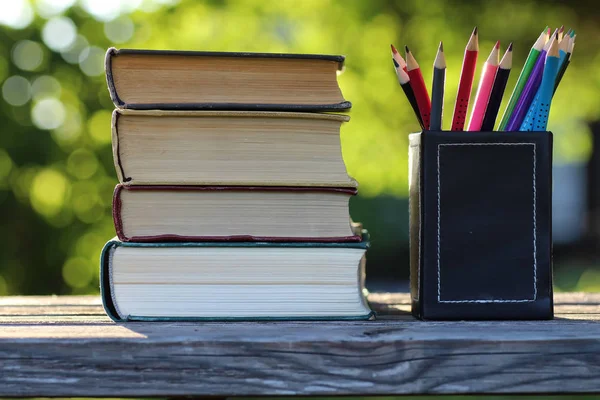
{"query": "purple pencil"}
[(531, 87)]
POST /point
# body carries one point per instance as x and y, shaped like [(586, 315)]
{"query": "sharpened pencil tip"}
[(497, 44), (474, 31), (406, 49), (396, 63), (561, 29), (509, 47), (549, 31), (441, 47), (393, 49)]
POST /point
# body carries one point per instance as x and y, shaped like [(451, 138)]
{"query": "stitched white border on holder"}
[(534, 227)]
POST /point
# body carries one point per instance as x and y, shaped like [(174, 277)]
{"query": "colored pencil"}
[(561, 32), (534, 53), (529, 91), (563, 66), (437, 90), (485, 88), (489, 120), (466, 82), (404, 82), (418, 86), (537, 115), (398, 58), (563, 48)]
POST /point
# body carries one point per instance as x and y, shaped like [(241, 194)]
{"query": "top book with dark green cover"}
[(199, 80), (224, 281)]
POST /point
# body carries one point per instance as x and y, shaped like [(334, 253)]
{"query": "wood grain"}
[(66, 346)]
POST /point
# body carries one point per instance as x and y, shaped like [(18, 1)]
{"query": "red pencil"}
[(466, 82), (396, 56), (418, 86), (486, 82)]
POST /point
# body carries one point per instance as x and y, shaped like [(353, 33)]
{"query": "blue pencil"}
[(537, 115)]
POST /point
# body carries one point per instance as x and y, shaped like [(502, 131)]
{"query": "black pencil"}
[(563, 67), (404, 81), (437, 90), (491, 111)]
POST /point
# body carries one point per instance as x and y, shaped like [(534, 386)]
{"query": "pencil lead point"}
[(395, 63), (548, 31), (441, 47), (509, 47), (474, 31), (561, 29), (393, 49), (497, 44), (406, 49)]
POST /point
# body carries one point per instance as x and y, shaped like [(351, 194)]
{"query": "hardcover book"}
[(233, 281), (228, 148), (233, 213), (192, 80)]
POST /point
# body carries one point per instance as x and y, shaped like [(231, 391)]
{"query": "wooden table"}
[(66, 346)]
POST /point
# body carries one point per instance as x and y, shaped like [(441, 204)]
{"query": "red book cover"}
[(117, 209)]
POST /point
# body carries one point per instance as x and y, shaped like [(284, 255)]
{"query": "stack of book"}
[(233, 195)]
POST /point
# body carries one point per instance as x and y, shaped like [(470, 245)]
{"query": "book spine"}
[(115, 148), (105, 281), (118, 221), (110, 53), (116, 212)]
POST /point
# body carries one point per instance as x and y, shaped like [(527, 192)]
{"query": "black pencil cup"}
[(481, 225)]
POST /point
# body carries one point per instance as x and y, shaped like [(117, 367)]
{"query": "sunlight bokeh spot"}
[(88, 208), (45, 86), (91, 61), (73, 52), (50, 8), (16, 90), (21, 182), (70, 131), (119, 30), (77, 272), (16, 14), (90, 243), (59, 33), (28, 55), (82, 164), (49, 191), (104, 10), (99, 126), (48, 113)]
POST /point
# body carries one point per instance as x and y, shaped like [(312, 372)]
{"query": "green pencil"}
[(522, 81)]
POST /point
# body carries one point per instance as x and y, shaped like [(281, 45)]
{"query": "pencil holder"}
[(481, 225)]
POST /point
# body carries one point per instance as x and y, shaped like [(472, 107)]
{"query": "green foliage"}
[(56, 172)]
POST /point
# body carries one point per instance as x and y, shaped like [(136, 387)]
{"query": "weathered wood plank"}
[(66, 346)]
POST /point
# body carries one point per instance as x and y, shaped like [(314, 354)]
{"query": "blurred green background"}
[(56, 171)]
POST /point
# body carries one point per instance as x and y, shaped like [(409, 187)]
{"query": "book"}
[(190, 80), (228, 148), (232, 213), (233, 281)]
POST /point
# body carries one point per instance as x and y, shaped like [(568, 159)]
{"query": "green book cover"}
[(108, 297)]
